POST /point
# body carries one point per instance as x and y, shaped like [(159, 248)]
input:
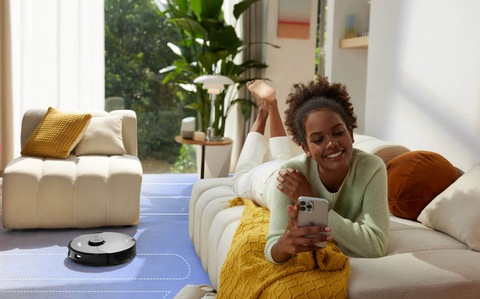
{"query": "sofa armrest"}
[(199, 187), (384, 149)]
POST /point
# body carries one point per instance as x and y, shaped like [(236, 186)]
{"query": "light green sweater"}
[(359, 215)]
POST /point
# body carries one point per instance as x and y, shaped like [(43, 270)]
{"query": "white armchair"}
[(83, 191)]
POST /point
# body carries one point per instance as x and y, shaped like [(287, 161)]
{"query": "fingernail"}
[(329, 238), (328, 229)]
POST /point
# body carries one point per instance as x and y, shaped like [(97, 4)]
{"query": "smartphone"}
[(313, 211)]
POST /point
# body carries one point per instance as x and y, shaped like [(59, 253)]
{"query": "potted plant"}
[(209, 47)]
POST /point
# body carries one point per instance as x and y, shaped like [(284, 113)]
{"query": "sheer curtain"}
[(250, 28), (57, 56), (6, 119)]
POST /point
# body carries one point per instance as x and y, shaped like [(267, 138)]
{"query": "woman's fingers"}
[(290, 209), (314, 229), (301, 232), (293, 216), (284, 179), (310, 240)]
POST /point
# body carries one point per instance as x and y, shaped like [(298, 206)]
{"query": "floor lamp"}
[(214, 84)]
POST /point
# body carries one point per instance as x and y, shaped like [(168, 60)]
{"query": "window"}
[(321, 38), (136, 38)]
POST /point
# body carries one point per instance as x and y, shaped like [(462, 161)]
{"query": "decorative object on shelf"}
[(214, 84), (294, 19), (350, 28), (209, 46), (187, 129)]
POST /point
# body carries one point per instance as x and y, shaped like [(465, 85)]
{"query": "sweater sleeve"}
[(277, 203), (368, 235)]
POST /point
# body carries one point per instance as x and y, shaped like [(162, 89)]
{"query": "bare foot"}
[(264, 92), (258, 100)]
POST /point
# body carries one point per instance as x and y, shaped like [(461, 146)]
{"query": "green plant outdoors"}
[(208, 46)]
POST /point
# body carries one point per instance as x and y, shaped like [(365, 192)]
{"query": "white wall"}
[(294, 62), (347, 66), (423, 87)]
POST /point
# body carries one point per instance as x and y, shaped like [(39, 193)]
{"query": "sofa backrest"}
[(384, 149), (33, 117)]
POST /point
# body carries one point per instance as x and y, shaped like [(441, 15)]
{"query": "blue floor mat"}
[(34, 263)]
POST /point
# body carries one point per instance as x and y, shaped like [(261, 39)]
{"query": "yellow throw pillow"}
[(57, 134)]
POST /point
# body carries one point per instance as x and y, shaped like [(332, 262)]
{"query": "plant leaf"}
[(167, 69), (248, 65), (186, 42), (239, 8), (225, 39), (267, 43), (173, 13), (210, 24), (196, 6), (235, 79), (207, 8), (169, 77), (182, 4), (195, 106), (191, 27), (245, 107)]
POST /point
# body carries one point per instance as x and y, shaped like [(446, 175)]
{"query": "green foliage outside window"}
[(136, 38)]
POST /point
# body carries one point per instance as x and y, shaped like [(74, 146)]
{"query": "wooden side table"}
[(203, 143)]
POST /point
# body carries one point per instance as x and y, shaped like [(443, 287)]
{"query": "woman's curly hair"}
[(313, 96)]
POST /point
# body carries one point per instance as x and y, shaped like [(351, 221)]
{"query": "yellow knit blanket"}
[(247, 274)]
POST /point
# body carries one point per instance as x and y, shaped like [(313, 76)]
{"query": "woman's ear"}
[(306, 150), (350, 131)]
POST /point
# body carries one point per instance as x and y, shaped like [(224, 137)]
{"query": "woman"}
[(320, 119)]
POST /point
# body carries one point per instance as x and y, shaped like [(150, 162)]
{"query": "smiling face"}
[(329, 141)]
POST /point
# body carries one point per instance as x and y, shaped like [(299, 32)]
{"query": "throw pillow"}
[(57, 134), (416, 178), (456, 211), (103, 137)]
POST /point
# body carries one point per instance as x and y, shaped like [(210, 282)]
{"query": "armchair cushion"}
[(102, 137), (57, 134)]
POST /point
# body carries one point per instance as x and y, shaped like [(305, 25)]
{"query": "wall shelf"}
[(354, 43)]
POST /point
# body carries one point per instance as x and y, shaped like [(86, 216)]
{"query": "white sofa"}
[(83, 191), (420, 262)]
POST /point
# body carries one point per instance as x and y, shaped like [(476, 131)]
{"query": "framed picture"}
[(294, 19)]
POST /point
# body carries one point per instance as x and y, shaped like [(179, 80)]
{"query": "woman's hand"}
[(295, 183), (293, 241)]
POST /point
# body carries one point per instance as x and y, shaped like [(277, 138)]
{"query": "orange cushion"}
[(414, 179)]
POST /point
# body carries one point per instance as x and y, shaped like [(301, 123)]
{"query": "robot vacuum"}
[(102, 249)]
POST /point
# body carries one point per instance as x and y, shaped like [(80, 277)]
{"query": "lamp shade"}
[(214, 83), (213, 79)]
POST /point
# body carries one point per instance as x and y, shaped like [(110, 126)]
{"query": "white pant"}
[(251, 173)]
